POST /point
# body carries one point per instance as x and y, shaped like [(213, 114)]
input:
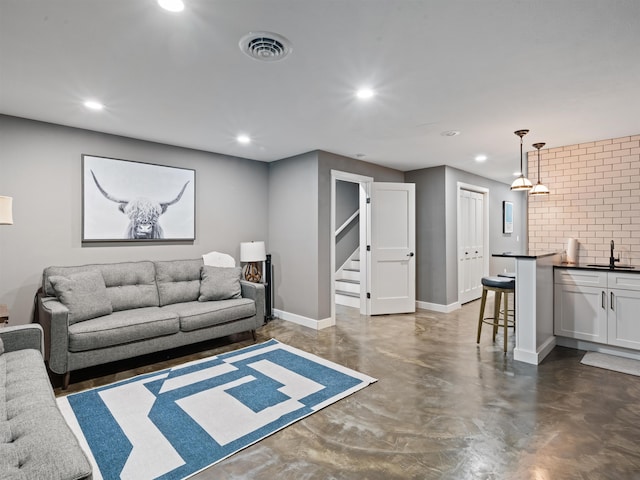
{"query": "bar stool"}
[(498, 285)]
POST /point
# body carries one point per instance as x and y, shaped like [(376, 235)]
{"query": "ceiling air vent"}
[(265, 46)]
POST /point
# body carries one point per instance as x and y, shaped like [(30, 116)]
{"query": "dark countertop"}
[(575, 266), (524, 255)]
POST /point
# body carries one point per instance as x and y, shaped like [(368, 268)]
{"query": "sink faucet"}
[(612, 259)]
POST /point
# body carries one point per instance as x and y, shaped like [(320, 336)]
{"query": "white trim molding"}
[(304, 321), (437, 307)]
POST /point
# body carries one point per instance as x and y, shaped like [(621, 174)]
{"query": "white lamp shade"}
[(521, 183), (539, 189), (252, 252), (6, 210)]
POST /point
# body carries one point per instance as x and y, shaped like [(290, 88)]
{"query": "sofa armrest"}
[(254, 291), (20, 337), (55, 320)]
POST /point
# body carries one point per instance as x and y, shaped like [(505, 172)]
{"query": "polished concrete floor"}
[(443, 408)]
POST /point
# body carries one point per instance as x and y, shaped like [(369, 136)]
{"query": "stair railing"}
[(347, 222)]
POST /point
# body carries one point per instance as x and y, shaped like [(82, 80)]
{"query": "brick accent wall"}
[(595, 198)]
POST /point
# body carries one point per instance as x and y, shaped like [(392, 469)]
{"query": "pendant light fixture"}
[(521, 183), (539, 189)]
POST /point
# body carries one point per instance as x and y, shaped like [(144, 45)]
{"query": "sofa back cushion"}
[(84, 294), (178, 281), (129, 284), (219, 283)]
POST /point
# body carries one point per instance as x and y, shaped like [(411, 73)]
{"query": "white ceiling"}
[(568, 70)]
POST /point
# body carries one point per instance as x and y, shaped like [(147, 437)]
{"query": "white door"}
[(470, 245), (392, 276)]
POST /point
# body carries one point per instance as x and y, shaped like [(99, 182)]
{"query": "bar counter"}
[(534, 304)]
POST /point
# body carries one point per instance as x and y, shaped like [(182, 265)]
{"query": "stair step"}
[(348, 294), (351, 286), (348, 275), (348, 301), (350, 270), (347, 280)]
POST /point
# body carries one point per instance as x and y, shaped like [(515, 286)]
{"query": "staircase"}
[(348, 282)]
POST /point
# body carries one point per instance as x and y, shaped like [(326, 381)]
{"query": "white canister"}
[(572, 251)]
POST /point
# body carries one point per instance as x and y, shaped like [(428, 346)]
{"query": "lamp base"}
[(253, 272)]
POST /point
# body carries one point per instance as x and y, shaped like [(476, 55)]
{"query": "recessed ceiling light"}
[(450, 133), (172, 5), (517, 174), (93, 105), (481, 158), (365, 93), (244, 139)]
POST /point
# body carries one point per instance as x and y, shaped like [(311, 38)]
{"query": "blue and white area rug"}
[(174, 423)]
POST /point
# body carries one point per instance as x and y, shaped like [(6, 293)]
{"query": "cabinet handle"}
[(611, 305), (604, 299)]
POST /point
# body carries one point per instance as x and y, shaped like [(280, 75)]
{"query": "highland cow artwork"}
[(127, 201)]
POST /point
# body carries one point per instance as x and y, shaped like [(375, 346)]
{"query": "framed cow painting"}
[(126, 201)]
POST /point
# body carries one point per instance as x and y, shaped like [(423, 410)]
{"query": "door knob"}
[(410, 254)]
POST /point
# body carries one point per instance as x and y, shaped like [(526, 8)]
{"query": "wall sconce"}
[(253, 254)]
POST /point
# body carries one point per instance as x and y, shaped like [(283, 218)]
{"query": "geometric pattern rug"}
[(174, 423)]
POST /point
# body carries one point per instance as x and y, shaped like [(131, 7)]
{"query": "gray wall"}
[(431, 244), (347, 203), (437, 229), (293, 233), (40, 167)]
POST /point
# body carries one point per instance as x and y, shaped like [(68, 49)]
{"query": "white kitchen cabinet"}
[(596, 306), (624, 310), (578, 312)]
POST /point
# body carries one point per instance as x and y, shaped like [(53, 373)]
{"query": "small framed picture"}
[(507, 217), (125, 201)]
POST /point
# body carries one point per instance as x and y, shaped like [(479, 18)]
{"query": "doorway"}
[(473, 240), (363, 185)]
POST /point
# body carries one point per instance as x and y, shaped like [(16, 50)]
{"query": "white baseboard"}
[(437, 307), (597, 347), (304, 321)]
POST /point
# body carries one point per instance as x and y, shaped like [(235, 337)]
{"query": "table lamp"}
[(253, 254), (6, 210)]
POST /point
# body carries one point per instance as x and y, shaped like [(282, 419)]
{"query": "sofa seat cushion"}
[(197, 315), (122, 327), (36, 442)]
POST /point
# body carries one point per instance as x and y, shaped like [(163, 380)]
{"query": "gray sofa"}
[(35, 441), (95, 314)]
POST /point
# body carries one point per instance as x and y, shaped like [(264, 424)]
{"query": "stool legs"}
[(499, 295), (506, 315), (483, 302), (496, 312)]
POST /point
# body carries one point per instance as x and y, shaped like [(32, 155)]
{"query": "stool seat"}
[(499, 282), (508, 274)]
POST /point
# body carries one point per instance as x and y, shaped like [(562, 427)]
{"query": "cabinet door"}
[(624, 320), (580, 312)]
